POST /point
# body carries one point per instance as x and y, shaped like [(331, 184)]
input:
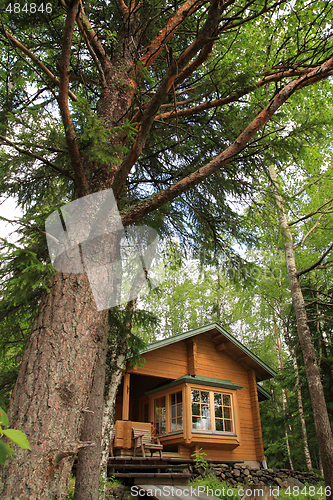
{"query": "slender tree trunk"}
[(284, 403), (283, 391), (87, 481), (117, 364), (300, 409), (322, 423), (52, 390)]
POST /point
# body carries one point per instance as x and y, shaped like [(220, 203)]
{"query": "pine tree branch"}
[(205, 34), (95, 43), (37, 157), (232, 97), (166, 33), (80, 180), (18, 45), (316, 264), (92, 53), (123, 9), (196, 63), (137, 211)]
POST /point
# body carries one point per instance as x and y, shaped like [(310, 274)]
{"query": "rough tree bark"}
[(322, 423), (52, 389)]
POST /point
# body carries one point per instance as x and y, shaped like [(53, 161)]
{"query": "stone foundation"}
[(243, 474)]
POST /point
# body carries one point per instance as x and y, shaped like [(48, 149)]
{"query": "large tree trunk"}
[(322, 423), (52, 390)]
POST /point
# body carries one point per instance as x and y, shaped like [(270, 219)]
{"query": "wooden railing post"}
[(126, 397)]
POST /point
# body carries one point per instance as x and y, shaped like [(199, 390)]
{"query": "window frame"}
[(171, 418), (211, 417), (187, 431)]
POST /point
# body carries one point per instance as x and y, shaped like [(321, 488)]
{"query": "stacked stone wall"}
[(243, 474)]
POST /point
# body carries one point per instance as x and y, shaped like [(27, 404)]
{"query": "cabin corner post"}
[(192, 358), (258, 441), (126, 396)]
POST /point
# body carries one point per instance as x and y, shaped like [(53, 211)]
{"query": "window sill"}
[(216, 433)]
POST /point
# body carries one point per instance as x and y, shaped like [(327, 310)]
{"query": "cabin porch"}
[(164, 407)]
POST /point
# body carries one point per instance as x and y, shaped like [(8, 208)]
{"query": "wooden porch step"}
[(166, 459), (161, 475), (147, 466)]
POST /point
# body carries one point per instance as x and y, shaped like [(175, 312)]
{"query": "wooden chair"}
[(144, 440), (113, 433)]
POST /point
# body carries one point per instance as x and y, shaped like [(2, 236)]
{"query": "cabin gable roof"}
[(223, 340)]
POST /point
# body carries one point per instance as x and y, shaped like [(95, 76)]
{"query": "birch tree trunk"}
[(283, 391), (117, 359), (321, 419), (109, 411), (300, 409)]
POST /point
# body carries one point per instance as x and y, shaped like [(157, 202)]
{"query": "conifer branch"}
[(149, 204), (18, 45), (157, 45), (80, 179), (123, 9), (275, 77), (92, 53), (95, 43), (205, 34), (37, 157)]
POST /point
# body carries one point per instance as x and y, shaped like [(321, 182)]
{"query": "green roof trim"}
[(197, 379), (202, 329), (263, 392)]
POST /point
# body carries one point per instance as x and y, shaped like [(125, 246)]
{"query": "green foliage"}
[(110, 484), (199, 459), (216, 488), (95, 138), (14, 435), (25, 275)]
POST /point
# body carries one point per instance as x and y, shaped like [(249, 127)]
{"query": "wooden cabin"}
[(197, 390)]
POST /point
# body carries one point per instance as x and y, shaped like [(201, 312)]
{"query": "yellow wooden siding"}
[(175, 360)]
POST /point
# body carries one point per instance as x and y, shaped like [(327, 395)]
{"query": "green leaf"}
[(18, 437), (3, 418), (5, 450)]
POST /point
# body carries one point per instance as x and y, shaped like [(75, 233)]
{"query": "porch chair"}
[(144, 440)]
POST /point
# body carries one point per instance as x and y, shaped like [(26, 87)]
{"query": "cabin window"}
[(211, 411), (160, 415), (222, 412), (176, 411), (200, 410)]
